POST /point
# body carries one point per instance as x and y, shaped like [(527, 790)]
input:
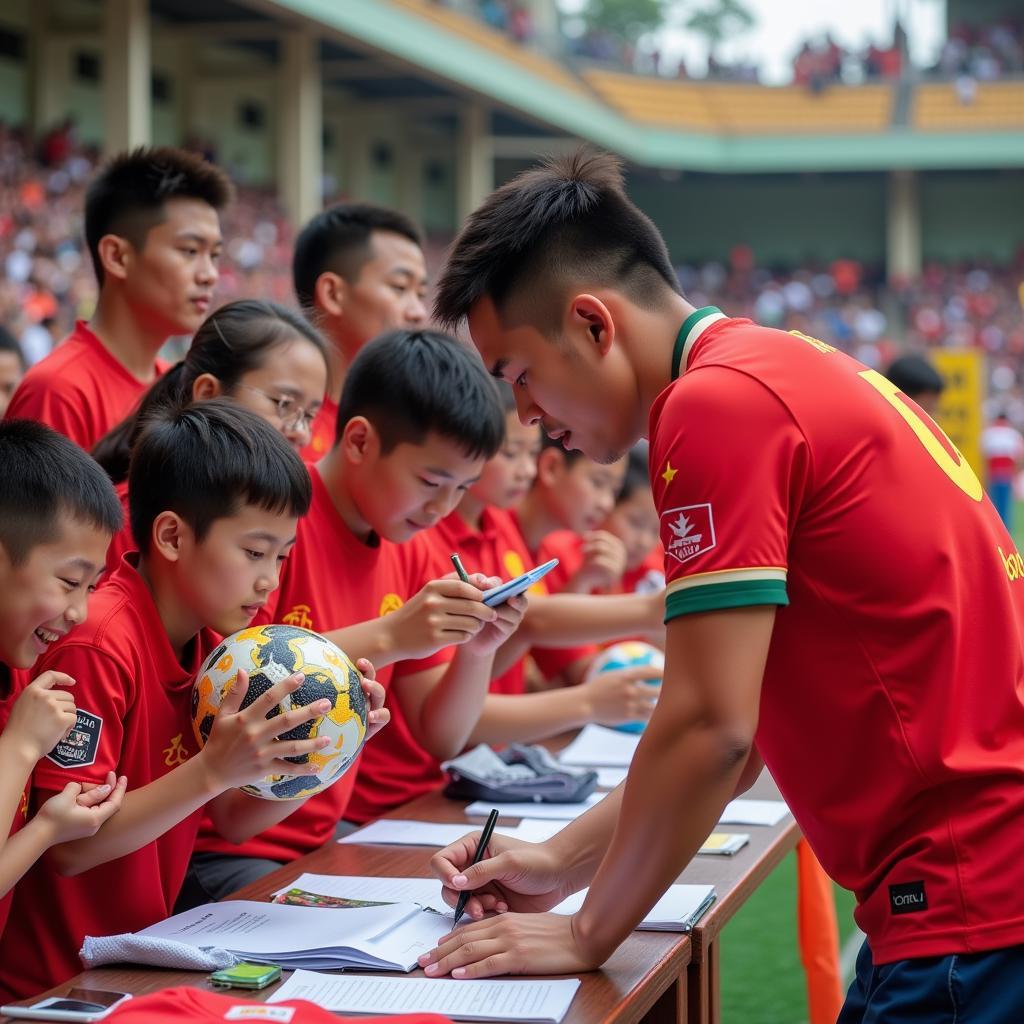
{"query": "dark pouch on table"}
[(516, 773)]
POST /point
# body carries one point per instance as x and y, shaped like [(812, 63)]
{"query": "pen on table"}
[(481, 849), (457, 562)]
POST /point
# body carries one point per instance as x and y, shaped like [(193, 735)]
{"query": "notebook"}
[(544, 1001), (599, 747), (677, 911), (387, 938), (725, 844), (402, 832), (534, 809)]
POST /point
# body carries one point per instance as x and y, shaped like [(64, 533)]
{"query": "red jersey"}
[(321, 435), (892, 707), (12, 682), (134, 702), (395, 768), (648, 576), (332, 579), (79, 389)]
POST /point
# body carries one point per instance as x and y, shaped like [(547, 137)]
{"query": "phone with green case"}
[(246, 975)]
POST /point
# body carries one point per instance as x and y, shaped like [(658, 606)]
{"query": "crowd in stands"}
[(983, 52), (507, 16)]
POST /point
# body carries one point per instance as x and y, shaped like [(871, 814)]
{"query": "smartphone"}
[(513, 588), (78, 1004), (246, 975)]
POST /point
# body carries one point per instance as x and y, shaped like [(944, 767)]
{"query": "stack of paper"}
[(400, 832), (677, 911), (754, 812), (545, 1001), (387, 938), (725, 844), (533, 810), (599, 747)]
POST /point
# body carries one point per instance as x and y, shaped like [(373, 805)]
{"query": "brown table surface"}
[(648, 967)]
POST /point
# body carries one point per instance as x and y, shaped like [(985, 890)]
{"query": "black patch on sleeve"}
[(82, 744)]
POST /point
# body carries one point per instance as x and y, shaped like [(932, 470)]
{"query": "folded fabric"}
[(518, 773), (153, 952)]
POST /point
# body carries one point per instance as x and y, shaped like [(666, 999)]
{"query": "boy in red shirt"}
[(153, 232), (418, 418), (57, 515), (358, 271), (872, 655), (216, 494)]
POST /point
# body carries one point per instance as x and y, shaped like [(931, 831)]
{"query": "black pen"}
[(481, 849), (457, 562)]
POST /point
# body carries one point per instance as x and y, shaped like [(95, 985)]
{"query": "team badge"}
[(81, 745), (688, 531)]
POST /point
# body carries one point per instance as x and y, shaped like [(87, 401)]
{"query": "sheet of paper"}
[(754, 812), (424, 891), (401, 832), (531, 809), (600, 747), (609, 778), (544, 1001), (677, 910)]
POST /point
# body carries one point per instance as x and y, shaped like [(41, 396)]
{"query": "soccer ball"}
[(270, 654), (626, 655)]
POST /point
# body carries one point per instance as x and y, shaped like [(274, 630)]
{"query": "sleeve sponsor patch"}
[(688, 531), (81, 745)]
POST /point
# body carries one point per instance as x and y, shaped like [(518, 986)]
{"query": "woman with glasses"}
[(264, 356)]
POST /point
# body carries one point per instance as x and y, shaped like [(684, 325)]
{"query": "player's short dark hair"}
[(637, 476), (127, 197), (410, 384), (46, 476), (9, 343), (207, 461), (338, 240), (235, 340), (568, 221), (914, 375)]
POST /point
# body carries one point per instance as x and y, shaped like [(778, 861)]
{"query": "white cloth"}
[(153, 952)]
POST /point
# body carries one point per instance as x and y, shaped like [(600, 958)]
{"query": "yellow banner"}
[(960, 407)]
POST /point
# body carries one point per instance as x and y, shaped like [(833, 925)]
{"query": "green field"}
[(762, 980)]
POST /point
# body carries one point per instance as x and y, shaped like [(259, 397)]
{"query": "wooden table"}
[(655, 977)]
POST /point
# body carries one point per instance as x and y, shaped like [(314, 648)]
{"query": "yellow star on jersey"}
[(670, 474)]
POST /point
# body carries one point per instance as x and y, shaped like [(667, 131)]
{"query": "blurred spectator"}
[(1003, 449), (12, 367), (917, 379)]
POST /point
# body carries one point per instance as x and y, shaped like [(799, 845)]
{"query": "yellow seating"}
[(996, 106), (734, 108), (489, 39)]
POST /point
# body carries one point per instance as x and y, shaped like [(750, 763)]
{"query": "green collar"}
[(693, 327)]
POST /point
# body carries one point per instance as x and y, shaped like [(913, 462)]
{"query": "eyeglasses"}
[(292, 415)]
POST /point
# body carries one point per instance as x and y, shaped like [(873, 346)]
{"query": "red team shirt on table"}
[(134, 704), (79, 389), (332, 579), (395, 768), (12, 682), (892, 711)]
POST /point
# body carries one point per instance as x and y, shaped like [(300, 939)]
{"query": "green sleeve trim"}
[(725, 595)]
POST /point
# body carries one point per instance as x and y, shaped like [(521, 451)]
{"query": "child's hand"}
[(377, 716), (620, 695), (444, 612), (495, 633), (42, 715), (243, 746), (80, 809), (604, 562)]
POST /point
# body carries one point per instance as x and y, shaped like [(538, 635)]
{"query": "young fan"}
[(358, 271), (152, 227), (215, 495), (57, 514)]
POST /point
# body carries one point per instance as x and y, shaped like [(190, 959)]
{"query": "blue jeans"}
[(1001, 493), (962, 988)]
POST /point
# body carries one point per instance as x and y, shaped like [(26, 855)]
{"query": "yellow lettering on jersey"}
[(957, 469), (670, 474), (299, 616), (1013, 564), (821, 346), (176, 753), (390, 603)]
